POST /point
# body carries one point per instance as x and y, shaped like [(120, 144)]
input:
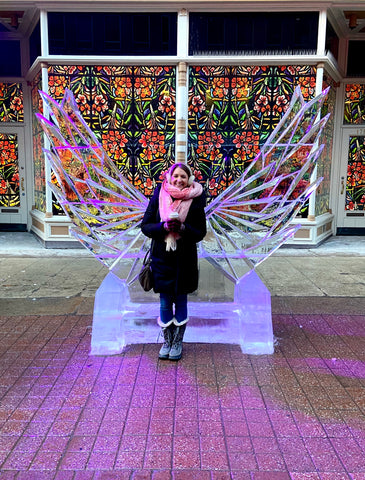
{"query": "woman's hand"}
[(172, 225)]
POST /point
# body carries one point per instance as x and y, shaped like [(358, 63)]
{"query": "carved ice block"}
[(119, 321), (254, 302), (110, 300)]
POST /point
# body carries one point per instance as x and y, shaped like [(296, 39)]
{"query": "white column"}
[(43, 20), (321, 39), (312, 198), (182, 34), (47, 167), (182, 112), (182, 86)]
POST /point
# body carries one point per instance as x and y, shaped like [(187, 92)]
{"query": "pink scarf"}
[(172, 199)]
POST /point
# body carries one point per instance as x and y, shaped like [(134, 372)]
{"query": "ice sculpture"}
[(246, 223)]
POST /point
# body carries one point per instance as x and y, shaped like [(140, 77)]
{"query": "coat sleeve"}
[(151, 224), (195, 223)]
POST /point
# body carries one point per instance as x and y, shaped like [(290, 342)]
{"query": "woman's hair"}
[(184, 167)]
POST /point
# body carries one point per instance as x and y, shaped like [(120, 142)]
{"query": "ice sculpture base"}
[(246, 321)]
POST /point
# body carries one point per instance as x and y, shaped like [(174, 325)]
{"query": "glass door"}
[(13, 199), (351, 212)]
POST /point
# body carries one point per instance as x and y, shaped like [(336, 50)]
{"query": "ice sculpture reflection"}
[(246, 223)]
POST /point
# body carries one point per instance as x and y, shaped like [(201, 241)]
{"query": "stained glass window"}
[(354, 111), (324, 163), (38, 145), (355, 186), (132, 112), (11, 102), (9, 171), (232, 111)]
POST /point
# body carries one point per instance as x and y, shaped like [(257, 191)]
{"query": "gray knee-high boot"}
[(168, 333), (176, 347)]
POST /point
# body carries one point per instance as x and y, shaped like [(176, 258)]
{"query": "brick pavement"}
[(298, 414)]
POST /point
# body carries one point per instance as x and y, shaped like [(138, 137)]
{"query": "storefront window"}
[(354, 111), (11, 102), (232, 111), (9, 171), (325, 160), (38, 145), (131, 110)]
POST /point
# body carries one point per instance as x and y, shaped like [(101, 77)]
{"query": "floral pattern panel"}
[(9, 171), (232, 111), (325, 161), (11, 102), (355, 186), (38, 145), (132, 112), (354, 111)]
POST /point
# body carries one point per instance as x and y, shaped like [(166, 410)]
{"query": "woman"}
[(175, 220)]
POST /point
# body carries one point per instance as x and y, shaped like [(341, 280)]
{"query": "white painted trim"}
[(169, 59), (44, 33), (183, 34), (322, 27), (312, 227)]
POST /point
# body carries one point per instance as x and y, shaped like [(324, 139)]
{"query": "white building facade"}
[(200, 82)]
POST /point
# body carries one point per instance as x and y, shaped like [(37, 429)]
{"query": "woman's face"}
[(179, 178)]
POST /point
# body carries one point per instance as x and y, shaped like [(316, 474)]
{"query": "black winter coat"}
[(175, 272)]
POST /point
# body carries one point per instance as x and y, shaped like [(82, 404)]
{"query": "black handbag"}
[(145, 275)]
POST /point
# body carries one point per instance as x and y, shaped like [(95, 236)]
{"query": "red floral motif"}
[(143, 86), (308, 86), (262, 104), (353, 91), (82, 103), (240, 88), (148, 186), (220, 87), (197, 104), (3, 187), (113, 142), (100, 103), (198, 175), (57, 85), (7, 152), (213, 187), (209, 145), (356, 174), (153, 144), (166, 105), (247, 145), (281, 104), (123, 87), (17, 105)]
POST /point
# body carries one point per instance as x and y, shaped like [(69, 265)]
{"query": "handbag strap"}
[(147, 259)]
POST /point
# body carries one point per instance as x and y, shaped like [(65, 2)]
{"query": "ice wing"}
[(104, 207), (251, 219)]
